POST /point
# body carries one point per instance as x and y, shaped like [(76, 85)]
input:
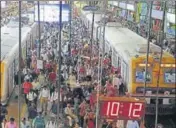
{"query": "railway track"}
[(165, 121)]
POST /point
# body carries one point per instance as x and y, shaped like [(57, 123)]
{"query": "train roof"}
[(10, 37), (126, 42)]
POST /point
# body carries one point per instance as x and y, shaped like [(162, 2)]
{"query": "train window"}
[(169, 76), (140, 75)]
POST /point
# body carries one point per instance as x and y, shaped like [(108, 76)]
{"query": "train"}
[(9, 62), (128, 52)]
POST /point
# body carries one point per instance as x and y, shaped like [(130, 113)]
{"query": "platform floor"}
[(12, 107)]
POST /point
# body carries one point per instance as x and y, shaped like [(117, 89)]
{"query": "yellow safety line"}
[(23, 111)]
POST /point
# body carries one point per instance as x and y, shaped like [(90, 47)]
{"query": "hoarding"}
[(130, 7), (156, 14), (171, 18), (3, 4), (119, 108), (122, 5), (50, 12)]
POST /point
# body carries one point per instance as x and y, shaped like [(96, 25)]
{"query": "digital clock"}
[(123, 110)]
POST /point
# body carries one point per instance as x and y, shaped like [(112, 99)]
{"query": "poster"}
[(39, 64)]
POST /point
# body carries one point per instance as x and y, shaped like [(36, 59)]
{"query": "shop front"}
[(78, 7), (122, 11), (142, 18), (131, 16), (113, 6), (131, 12)]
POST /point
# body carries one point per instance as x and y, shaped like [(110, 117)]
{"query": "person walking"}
[(11, 123)]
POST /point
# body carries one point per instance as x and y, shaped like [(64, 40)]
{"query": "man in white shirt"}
[(25, 70), (132, 124), (117, 80), (28, 76), (31, 96)]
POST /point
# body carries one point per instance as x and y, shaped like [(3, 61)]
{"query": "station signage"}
[(157, 14), (122, 5), (119, 109), (91, 8), (130, 7)]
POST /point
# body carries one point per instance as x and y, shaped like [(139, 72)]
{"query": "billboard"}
[(50, 12), (3, 4)]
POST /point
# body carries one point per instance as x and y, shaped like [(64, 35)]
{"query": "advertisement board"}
[(171, 18), (3, 4), (156, 14), (122, 5), (50, 12), (130, 7)]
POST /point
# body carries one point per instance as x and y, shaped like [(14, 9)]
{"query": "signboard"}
[(55, 2), (171, 18), (156, 14), (121, 108), (50, 12), (122, 5), (130, 7), (115, 3), (39, 64), (91, 8), (3, 4)]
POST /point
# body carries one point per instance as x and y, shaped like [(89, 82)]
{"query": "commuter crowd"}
[(77, 102)]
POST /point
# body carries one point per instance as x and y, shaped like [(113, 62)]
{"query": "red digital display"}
[(122, 110)]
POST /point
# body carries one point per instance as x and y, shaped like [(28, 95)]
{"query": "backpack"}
[(39, 122)]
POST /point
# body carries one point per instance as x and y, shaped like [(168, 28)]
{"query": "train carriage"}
[(129, 53), (9, 54)]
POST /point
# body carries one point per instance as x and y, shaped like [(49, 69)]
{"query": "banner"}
[(130, 7), (50, 12), (157, 14), (39, 64)]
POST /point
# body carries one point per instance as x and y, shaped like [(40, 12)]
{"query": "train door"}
[(114, 58), (124, 71), (11, 79), (107, 47), (14, 70), (118, 61)]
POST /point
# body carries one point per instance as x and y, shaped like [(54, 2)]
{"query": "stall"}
[(122, 11), (113, 6)]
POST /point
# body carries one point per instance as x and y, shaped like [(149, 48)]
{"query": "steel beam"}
[(20, 68)]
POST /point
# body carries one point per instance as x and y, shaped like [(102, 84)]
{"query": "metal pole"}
[(70, 21), (91, 40), (0, 45), (38, 4), (99, 61), (103, 52), (148, 47), (59, 63), (161, 56), (19, 74)]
